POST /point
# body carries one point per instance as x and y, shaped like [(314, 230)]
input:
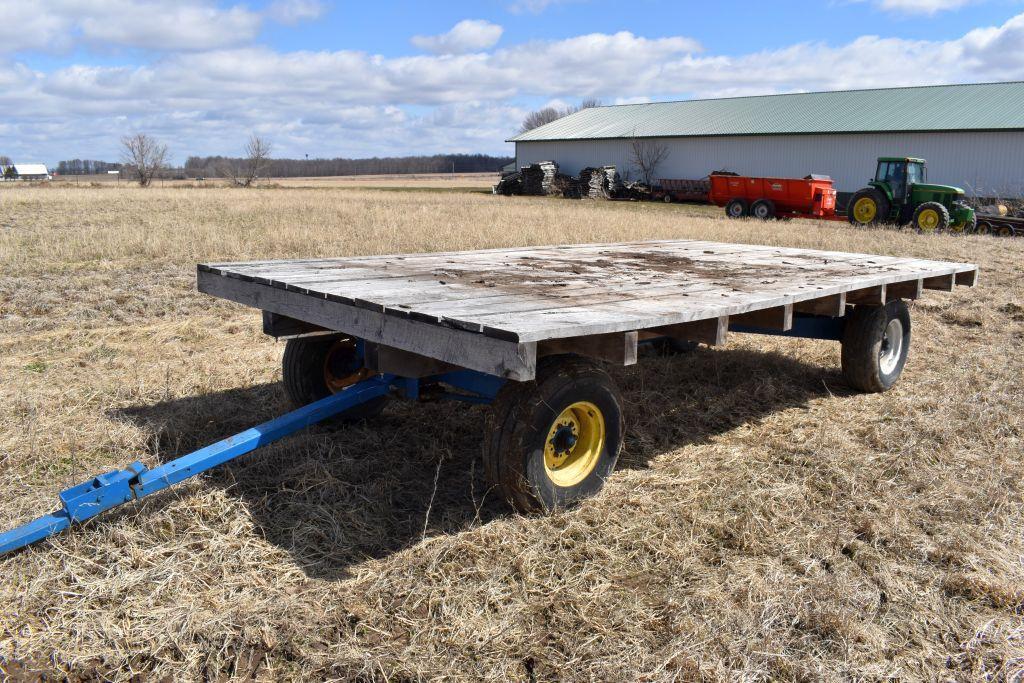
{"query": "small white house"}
[(31, 172)]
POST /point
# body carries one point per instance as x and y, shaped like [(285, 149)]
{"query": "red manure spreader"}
[(810, 197)]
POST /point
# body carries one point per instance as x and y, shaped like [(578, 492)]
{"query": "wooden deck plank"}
[(535, 294)]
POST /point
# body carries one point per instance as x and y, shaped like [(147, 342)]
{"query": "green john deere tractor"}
[(900, 194)]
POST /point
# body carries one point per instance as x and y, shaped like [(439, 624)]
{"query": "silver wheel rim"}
[(892, 347), (736, 210)]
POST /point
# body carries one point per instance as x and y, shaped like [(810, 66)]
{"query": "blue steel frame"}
[(111, 489)]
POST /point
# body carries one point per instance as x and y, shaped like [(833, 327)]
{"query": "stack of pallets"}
[(509, 184), (601, 182), (538, 178)]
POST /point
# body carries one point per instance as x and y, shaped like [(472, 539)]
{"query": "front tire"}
[(314, 368), (876, 342), (931, 217), (553, 442)]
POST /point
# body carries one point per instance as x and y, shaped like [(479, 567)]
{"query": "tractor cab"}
[(899, 175), (900, 194)]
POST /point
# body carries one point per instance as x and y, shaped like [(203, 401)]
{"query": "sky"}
[(351, 78)]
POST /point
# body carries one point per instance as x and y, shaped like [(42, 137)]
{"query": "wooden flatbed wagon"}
[(528, 331)]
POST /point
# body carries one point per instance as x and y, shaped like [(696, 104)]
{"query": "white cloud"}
[(350, 102), (469, 35), (922, 6), (144, 24), (535, 6), (294, 11)]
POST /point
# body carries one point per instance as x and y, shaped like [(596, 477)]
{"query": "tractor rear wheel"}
[(763, 209), (737, 208), (314, 368), (931, 217), (552, 442), (868, 207)]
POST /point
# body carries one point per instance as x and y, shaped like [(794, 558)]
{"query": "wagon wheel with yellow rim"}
[(552, 442), (316, 367)]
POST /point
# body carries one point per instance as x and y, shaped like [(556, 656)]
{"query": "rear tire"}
[(763, 209), (667, 198), (314, 368), (552, 442), (930, 218), (737, 208), (876, 342), (868, 207)]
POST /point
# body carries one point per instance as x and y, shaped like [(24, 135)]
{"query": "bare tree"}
[(647, 155), (5, 160), (144, 156), (247, 171), (536, 119)]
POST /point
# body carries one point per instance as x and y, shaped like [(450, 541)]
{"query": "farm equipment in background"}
[(765, 198), (671, 190), (900, 194)]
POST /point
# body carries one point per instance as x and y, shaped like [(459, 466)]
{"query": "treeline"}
[(85, 167), (292, 168)]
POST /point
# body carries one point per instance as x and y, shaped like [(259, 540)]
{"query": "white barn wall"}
[(990, 162)]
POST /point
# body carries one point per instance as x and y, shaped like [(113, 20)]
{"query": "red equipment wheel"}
[(737, 208), (763, 209)]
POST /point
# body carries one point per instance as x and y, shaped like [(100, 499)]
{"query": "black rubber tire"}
[(518, 423), (863, 345), (668, 198), (303, 375), (737, 208), (983, 228), (763, 209), (943, 212), (882, 207)]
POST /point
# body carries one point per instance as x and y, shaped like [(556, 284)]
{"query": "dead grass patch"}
[(765, 524)]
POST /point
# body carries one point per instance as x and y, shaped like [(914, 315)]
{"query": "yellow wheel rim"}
[(336, 375), (928, 220), (865, 210), (574, 444)]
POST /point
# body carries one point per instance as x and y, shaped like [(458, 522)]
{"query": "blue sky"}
[(345, 78)]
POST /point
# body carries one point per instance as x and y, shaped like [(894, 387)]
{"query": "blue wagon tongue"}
[(109, 490)]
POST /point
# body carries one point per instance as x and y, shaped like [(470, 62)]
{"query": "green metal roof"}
[(984, 106)]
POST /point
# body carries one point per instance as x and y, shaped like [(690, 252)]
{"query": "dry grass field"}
[(437, 181), (765, 522)]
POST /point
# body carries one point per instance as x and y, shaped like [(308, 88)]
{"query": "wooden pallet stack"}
[(538, 178), (613, 182), (601, 182), (509, 184), (593, 183)]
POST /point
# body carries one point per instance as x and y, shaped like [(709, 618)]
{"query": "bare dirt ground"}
[(765, 523)]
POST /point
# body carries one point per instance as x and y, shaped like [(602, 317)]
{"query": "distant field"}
[(413, 180), (765, 523)]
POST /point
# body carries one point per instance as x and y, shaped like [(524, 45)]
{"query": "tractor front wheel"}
[(931, 217), (552, 442), (868, 207)]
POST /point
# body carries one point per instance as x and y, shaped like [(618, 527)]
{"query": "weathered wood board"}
[(502, 302)]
